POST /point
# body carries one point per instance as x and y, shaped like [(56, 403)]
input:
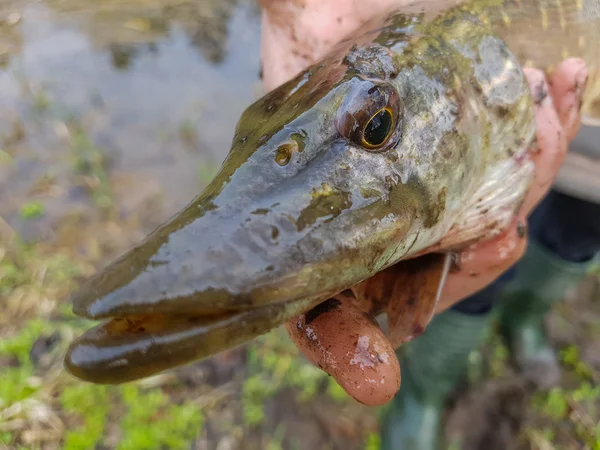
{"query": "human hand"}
[(298, 33)]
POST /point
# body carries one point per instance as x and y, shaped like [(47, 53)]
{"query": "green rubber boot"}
[(432, 366), (542, 280)]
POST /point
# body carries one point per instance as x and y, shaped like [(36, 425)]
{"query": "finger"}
[(347, 343), (280, 60), (483, 263), (567, 84), (551, 140), (296, 34)]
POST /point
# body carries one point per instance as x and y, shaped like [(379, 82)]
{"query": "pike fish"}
[(407, 142)]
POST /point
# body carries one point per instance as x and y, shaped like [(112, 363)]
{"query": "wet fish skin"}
[(302, 209)]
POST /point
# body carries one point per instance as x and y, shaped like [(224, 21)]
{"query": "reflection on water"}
[(144, 93)]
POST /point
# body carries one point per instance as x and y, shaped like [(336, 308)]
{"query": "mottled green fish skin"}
[(301, 210)]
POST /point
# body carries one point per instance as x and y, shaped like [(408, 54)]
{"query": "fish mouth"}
[(134, 347), (215, 276)]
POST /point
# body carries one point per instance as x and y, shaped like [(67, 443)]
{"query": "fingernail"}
[(581, 80), (540, 92), (521, 229)]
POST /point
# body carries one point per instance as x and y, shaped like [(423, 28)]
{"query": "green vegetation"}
[(150, 420), (274, 363), (32, 210), (89, 162), (574, 409), (373, 442), (152, 423), (90, 404)]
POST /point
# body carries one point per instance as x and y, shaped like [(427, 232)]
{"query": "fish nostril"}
[(284, 152), (274, 233)]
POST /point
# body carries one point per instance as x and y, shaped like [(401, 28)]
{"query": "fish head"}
[(314, 196)]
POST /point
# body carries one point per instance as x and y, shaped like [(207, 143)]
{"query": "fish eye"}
[(370, 116), (378, 129)]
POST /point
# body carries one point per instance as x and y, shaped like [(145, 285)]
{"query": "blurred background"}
[(114, 114)]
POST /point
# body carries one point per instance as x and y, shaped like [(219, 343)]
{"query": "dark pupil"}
[(378, 128)]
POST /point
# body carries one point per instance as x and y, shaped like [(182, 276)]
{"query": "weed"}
[(19, 346), (255, 392), (553, 404), (32, 210), (276, 442), (275, 363), (570, 357), (372, 442), (90, 162), (152, 423), (574, 409), (499, 355), (91, 404)]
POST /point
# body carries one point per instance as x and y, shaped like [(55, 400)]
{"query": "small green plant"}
[(90, 161), (16, 382), (153, 423), (276, 442), (255, 392), (91, 404), (500, 356), (20, 345), (372, 442), (570, 358), (553, 404), (21, 265), (32, 210)]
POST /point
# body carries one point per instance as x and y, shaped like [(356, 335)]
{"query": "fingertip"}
[(567, 85), (551, 138), (538, 86), (344, 341), (572, 73)]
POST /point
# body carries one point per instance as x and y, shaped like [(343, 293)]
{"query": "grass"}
[(274, 363), (90, 165), (40, 405), (372, 442), (131, 417), (32, 210), (570, 412), (33, 280)]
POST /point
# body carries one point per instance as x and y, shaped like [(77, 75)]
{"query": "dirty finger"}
[(551, 140), (567, 84), (347, 343)]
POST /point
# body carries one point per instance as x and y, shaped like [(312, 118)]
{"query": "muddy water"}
[(135, 98)]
